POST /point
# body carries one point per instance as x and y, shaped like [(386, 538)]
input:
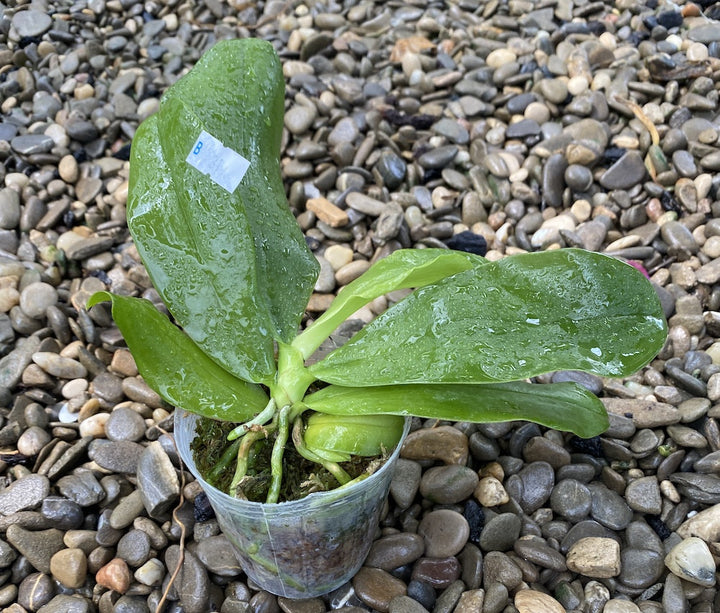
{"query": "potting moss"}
[(300, 476)]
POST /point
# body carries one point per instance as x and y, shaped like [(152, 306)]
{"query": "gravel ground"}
[(534, 124)]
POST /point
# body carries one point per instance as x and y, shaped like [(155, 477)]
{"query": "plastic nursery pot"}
[(303, 548)]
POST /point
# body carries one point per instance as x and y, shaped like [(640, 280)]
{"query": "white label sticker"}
[(223, 165)]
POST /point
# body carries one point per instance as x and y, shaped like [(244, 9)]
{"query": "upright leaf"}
[(233, 268), (176, 368), (510, 319), (401, 269), (563, 406)]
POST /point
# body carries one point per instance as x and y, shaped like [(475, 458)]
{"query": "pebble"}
[(157, 480), (377, 588), (69, 567), (448, 484), (445, 533), (692, 561), (125, 424), (115, 575), (443, 443), (24, 494), (532, 601), (395, 550), (38, 546), (500, 533), (595, 557)]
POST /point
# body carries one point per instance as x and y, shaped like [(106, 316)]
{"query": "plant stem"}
[(227, 457), (242, 458), (259, 420), (332, 467), (277, 455)]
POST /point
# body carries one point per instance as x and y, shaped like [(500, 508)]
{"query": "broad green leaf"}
[(233, 268), (562, 406), (336, 438), (401, 269), (176, 368), (508, 320)]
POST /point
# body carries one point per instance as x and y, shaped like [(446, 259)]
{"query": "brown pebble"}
[(531, 601), (69, 567), (115, 575), (442, 443), (326, 211), (376, 588)]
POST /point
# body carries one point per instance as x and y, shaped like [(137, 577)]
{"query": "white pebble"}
[(691, 560), (697, 52), (94, 425)]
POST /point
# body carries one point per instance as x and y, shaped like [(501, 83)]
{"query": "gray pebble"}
[(30, 144), (640, 568), (532, 486), (116, 456), (445, 533), (9, 208), (643, 495), (63, 513), (500, 533), (24, 494), (157, 481), (571, 499), (439, 157), (218, 556), (405, 482), (31, 23), (124, 424), (627, 172), (448, 484), (535, 550), (82, 488), (38, 546), (134, 548)]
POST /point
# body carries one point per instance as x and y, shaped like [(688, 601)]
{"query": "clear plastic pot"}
[(303, 548)]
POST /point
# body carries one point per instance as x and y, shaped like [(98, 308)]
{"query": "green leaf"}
[(508, 320), (336, 439), (176, 367), (401, 269), (233, 269), (562, 406)]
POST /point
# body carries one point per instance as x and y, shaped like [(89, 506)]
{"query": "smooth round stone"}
[(36, 298), (32, 441), (499, 57), (299, 118), (553, 90), (522, 129), (542, 449), (69, 567), (124, 424), (640, 568), (499, 568), (345, 131), (678, 237), (535, 550), (440, 573), (609, 508), (500, 533), (392, 169), (59, 366), (134, 548), (684, 163), (25, 494), (578, 178), (532, 601), (448, 484), (395, 550), (444, 443), (31, 23), (35, 591), (692, 561), (452, 130), (439, 157), (571, 499), (445, 533), (532, 486), (405, 482), (376, 588), (151, 573)]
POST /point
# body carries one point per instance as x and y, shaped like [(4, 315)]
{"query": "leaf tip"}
[(98, 297)]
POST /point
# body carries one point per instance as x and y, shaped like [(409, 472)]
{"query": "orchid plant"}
[(208, 214)]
